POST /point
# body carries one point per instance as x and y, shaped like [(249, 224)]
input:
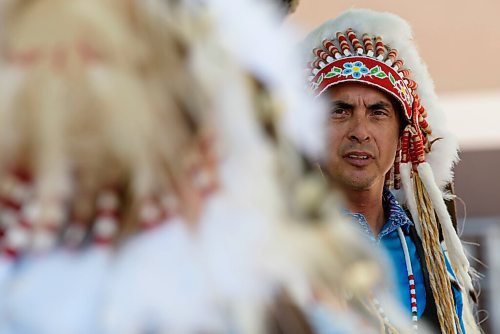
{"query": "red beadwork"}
[(411, 84), (354, 39), (423, 123), (331, 48), (405, 146), (405, 72), (10, 203), (398, 63), (315, 64), (320, 53), (343, 42), (367, 41), (379, 46), (392, 55), (10, 253)]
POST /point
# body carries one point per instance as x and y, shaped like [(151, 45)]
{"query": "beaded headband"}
[(370, 61)]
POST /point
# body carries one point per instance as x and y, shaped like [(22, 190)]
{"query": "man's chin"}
[(356, 182), (359, 185)]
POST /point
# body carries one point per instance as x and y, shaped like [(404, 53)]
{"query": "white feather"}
[(470, 324), (64, 286), (268, 51), (157, 284), (406, 180), (457, 256), (6, 266)]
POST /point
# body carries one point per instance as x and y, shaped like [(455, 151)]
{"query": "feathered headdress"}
[(377, 49)]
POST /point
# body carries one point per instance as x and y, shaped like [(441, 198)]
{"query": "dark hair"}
[(399, 108)]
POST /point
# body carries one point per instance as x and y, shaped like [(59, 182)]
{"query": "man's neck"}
[(368, 203)]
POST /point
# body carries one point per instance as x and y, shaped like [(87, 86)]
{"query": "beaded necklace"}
[(411, 280), (411, 284)]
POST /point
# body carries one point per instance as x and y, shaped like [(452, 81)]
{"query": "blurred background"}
[(460, 42)]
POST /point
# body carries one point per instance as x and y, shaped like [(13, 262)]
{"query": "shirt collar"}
[(397, 217)]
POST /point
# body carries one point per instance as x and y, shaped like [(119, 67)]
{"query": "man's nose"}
[(358, 131)]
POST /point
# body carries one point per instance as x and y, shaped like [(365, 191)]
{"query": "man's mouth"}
[(358, 158)]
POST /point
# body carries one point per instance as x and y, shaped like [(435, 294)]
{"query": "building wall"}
[(478, 207), (477, 183)]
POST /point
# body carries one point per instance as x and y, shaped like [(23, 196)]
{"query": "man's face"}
[(363, 135)]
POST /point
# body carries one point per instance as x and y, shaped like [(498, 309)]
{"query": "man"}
[(383, 146)]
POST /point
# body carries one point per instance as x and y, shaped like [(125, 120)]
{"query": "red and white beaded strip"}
[(106, 223), (150, 214), (411, 280), (15, 229)]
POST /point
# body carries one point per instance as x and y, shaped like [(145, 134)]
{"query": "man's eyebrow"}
[(341, 104), (380, 105)]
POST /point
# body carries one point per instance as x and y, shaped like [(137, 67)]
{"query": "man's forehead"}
[(355, 92)]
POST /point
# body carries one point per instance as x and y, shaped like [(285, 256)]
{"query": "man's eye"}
[(338, 112), (380, 113)]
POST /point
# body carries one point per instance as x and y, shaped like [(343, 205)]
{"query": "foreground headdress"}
[(148, 168), (377, 49)]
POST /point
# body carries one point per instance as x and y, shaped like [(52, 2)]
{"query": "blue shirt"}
[(388, 238), (391, 243)]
